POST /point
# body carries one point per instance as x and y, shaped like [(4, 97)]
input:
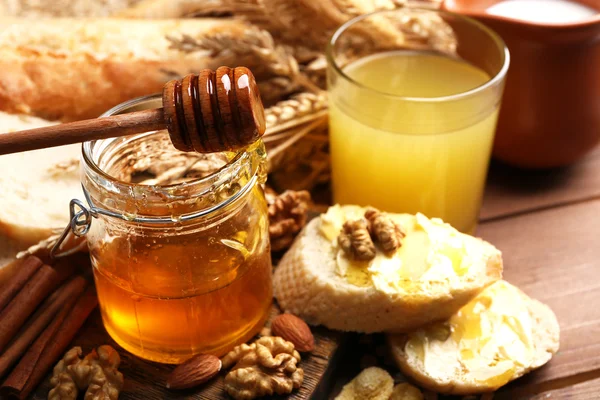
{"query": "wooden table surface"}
[(547, 224)]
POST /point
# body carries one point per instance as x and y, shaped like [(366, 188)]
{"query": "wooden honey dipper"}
[(210, 112)]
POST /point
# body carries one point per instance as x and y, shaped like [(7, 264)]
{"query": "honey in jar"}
[(180, 249)]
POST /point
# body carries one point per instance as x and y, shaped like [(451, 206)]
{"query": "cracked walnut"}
[(97, 373), (266, 367), (287, 216)]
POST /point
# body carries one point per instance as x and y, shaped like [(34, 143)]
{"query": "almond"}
[(294, 330), (193, 372)]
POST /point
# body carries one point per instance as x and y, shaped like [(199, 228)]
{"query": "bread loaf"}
[(63, 8), (72, 69)]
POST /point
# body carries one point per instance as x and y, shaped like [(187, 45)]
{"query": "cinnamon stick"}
[(16, 381), (36, 324), (49, 347), (14, 315), (25, 271)]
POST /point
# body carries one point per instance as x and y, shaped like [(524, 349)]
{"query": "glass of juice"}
[(414, 96)]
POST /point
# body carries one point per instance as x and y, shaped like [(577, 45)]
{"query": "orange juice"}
[(404, 139)]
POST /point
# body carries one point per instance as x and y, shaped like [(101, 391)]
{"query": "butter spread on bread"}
[(432, 250), (435, 272), (498, 336)]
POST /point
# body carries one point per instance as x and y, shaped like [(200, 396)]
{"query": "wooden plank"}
[(511, 191), (554, 256), (582, 391), (145, 380), (577, 390)]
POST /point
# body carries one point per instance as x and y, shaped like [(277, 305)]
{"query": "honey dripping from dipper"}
[(214, 111)]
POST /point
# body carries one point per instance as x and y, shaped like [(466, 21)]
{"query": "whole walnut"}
[(287, 216), (266, 367), (97, 373)]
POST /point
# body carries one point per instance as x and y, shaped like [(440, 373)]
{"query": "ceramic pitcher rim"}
[(556, 26)]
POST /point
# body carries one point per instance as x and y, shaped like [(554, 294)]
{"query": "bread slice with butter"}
[(436, 271), (497, 337)]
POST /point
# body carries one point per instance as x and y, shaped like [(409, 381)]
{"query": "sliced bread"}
[(36, 186), (497, 337), (435, 272)]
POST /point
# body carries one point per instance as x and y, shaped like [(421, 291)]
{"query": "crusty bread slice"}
[(306, 283), (36, 186), (449, 375), (71, 69)]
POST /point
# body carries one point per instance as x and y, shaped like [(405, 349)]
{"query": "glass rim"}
[(498, 77), (88, 147)]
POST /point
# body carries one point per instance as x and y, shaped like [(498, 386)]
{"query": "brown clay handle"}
[(211, 112)]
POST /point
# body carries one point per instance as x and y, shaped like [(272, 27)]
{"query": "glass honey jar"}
[(182, 264)]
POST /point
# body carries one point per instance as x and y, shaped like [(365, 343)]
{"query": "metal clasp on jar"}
[(80, 221)]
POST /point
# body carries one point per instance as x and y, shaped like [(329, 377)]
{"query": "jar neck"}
[(169, 202)]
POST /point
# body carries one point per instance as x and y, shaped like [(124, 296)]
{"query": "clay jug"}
[(550, 114)]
